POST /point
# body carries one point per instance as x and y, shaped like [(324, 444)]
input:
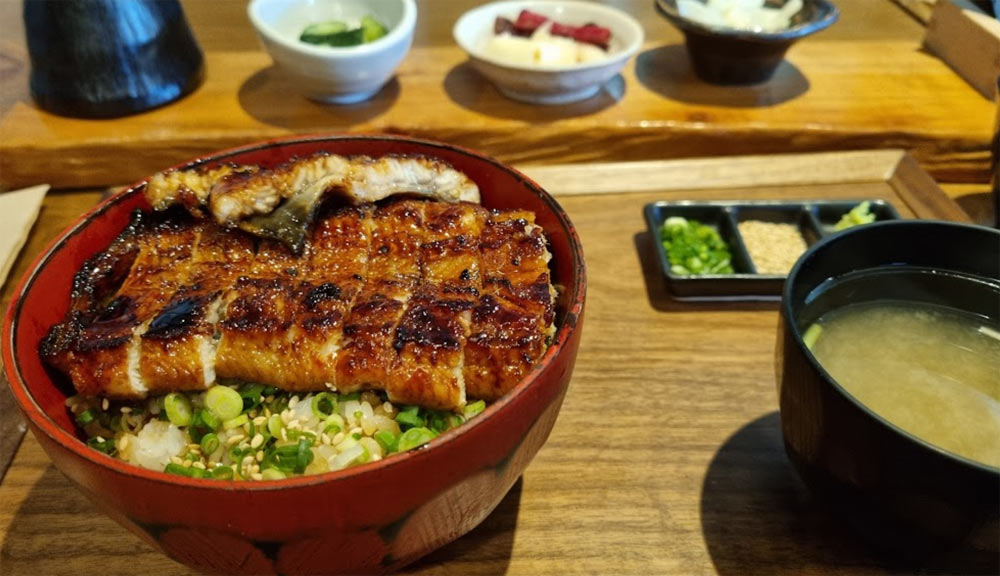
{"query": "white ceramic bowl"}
[(549, 84), (324, 73)]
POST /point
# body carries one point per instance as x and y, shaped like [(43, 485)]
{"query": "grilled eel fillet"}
[(431, 302), (279, 202)]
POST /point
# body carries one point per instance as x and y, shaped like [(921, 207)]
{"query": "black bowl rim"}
[(66, 440), (668, 10), (786, 310)]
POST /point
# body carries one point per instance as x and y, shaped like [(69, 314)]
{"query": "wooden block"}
[(968, 40)]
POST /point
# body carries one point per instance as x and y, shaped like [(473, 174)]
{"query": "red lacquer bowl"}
[(374, 518)]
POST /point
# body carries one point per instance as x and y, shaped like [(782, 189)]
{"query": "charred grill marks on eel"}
[(432, 302)]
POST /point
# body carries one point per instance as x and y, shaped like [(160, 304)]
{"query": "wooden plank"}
[(667, 455), (863, 84), (716, 173)]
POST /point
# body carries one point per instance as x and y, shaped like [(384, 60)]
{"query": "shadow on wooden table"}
[(759, 518), (667, 71), (658, 294), (265, 97), (471, 91)]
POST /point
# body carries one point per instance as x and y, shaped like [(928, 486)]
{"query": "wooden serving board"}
[(667, 456), (863, 84)]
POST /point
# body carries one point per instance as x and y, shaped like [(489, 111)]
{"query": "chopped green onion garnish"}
[(236, 422), (437, 421), (209, 443), (334, 424), (474, 408), (178, 409), (100, 444), (324, 404), (409, 417), (387, 440), (414, 437), (177, 469), (274, 425), (251, 394), (224, 402), (86, 417), (222, 472), (273, 474)]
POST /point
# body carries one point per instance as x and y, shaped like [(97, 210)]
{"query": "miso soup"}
[(933, 372)]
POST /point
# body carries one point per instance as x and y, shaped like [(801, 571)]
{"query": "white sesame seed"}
[(99, 438), (105, 404), (356, 430), (260, 456), (186, 464), (284, 434), (123, 443), (294, 424), (338, 438), (257, 476), (257, 441), (286, 415), (247, 461), (259, 421), (325, 438), (197, 465), (126, 410), (293, 402), (177, 460), (387, 407), (234, 439)]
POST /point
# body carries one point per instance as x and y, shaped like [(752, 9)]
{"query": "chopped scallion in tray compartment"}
[(694, 248)]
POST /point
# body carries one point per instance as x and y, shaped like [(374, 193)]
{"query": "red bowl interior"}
[(171, 511)]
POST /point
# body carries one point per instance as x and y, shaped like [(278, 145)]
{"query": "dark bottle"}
[(106, 58)]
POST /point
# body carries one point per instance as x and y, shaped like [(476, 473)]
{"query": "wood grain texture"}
[(864, 83), (667, 455)]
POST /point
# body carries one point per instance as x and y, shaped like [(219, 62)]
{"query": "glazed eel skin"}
[(432, 302)]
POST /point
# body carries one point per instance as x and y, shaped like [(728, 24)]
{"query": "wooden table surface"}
[(667, 456), (863, 83)]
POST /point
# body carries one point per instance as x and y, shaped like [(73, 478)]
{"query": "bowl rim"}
[(669, 11), (614, 59), (786, 311), (46, 425), (396, 34)]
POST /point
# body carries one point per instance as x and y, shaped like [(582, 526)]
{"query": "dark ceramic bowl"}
[(376, 517), (731, 56), (900, 492)]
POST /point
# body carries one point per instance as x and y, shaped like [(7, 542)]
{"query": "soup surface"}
[(934, 372)]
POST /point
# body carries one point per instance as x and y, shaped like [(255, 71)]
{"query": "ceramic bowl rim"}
[(618, 58), (786, 35), (42, 422), (398, 33), (789, 321)]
